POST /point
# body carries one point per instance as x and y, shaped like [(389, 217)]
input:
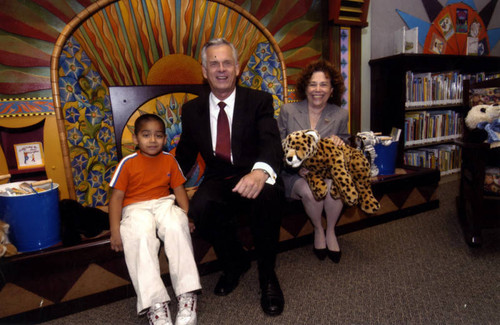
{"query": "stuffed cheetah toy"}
[(346, 166)]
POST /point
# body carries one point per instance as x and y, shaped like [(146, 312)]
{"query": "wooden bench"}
[(60, 280)]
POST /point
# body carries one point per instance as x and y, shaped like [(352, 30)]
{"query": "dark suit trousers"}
[(217, 213)]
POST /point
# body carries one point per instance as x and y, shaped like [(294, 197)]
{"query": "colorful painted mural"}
[(29, 30), (121, 44)]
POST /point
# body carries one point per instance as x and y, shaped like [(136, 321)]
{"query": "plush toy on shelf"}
[(487, 118), (6, 248), (346, 166), (366, 141)]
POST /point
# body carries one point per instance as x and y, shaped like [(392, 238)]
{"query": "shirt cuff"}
[(271, 180)]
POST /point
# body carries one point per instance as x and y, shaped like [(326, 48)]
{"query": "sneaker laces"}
[(186, 314), (159, 314)]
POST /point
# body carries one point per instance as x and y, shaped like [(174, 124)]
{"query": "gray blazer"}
[(294, 117)]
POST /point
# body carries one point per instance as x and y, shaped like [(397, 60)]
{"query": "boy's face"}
[(151, 138)]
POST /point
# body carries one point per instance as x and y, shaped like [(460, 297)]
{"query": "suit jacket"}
[(295, 116), (254, 135)]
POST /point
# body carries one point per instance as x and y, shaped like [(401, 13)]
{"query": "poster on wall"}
[(446, 26), (438, 44), (29, 155)]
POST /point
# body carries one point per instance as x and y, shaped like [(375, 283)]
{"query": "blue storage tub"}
[(33, 218), (386, 158)]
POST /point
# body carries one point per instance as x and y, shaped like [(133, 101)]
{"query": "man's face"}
[(221, 70)]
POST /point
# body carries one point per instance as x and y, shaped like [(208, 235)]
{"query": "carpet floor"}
[(414, 270)]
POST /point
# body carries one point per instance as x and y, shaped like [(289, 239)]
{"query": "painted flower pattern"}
[(75, 136), (69, 89), (72, 114), (92, 146), (95, 178), (89, 125), (93, 115), (272, 85), (72, 68), (100, 197), (105, 135), (72, 46), (263, 72), (94, 79)]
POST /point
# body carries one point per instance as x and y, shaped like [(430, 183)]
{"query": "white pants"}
[(139, 226)]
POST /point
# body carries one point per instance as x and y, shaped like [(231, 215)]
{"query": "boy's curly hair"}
[(330, 71)]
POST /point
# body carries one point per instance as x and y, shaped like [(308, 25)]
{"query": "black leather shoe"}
[(228, 281), (272, 300), (334, 256), (320, 253)]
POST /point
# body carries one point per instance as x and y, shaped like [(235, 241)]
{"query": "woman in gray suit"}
[(319, 87)]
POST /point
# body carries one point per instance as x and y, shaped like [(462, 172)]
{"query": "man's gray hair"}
[(216, 42)]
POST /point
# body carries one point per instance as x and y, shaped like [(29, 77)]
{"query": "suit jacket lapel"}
[(204, 124), (302, 116)]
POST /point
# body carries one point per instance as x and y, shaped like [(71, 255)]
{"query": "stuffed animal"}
[(346, 166), (486, 117), (366, 141), (6, 248)]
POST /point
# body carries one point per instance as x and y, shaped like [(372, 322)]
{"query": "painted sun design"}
[(456, 28), (29, 29)]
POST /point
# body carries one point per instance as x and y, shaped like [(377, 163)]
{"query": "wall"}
[(385, 20)]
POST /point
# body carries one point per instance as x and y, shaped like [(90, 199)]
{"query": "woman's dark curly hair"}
[(330, 71)]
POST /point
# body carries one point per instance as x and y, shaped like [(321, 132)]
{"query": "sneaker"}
[(186, 314), (159, 314)]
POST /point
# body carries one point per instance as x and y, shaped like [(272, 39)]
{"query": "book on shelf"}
[(445, 157), (481, 76), (432, 89), (395, 134), (422, 127)]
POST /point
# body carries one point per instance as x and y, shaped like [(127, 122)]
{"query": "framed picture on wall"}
[(29, 155)]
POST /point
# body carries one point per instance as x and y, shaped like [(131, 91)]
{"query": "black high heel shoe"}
[(334, 256), (320, 253)]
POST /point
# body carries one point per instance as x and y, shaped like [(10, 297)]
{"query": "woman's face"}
[(318, 90)]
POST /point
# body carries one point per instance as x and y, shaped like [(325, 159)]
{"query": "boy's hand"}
[(116, 242), (191, 225)]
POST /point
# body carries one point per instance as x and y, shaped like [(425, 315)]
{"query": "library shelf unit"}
[(389, 107)]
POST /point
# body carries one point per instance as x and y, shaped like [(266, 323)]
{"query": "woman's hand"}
[(303, 172), (337, 140)]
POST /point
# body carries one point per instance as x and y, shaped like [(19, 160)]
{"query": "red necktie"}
[(223, 145)]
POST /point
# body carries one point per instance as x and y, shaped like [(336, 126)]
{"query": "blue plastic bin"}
[(33, 218), (386, 158)]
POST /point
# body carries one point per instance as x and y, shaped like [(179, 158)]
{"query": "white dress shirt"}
[(214, 113)]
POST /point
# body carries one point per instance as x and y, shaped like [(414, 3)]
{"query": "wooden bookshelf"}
[(389, 102)]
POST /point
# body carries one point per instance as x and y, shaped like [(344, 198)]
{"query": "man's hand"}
[(251, 184)]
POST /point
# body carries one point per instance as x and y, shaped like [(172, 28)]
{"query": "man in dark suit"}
[(239, 178)]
